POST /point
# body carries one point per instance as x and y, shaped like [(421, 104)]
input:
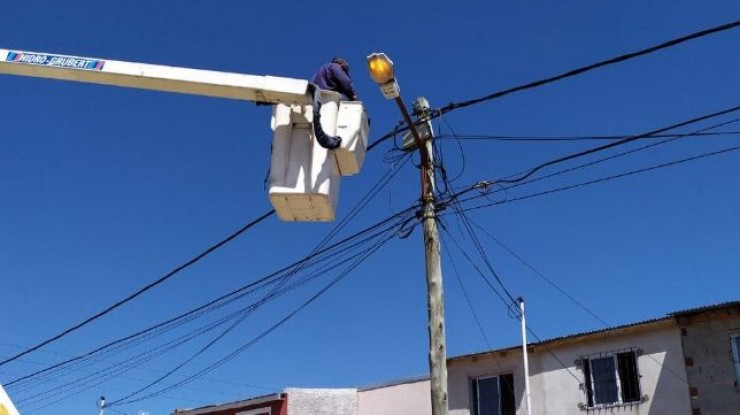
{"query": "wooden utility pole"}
[(435, 291), (382, 72)]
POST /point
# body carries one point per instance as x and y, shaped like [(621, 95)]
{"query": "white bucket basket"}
[(304, 177), (353, 128)]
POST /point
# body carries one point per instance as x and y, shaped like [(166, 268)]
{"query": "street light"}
[(381, 70)]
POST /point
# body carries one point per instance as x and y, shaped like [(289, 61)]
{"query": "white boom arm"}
[(156, 77), (304, 177), (6, 405)]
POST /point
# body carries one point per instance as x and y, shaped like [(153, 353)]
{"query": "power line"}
[(621, 142), (475, 266), (566, 294), (356, 209), (305, 261), (99, 379), (528, 173), (603, 179), (467, 300), (508, 305), (229, 329), (539, 274), (146, 369), (692, 134), (329, 252), (141, 290), (230, 356), (565, 138), (574, 72), (222, 300), (617, 59)]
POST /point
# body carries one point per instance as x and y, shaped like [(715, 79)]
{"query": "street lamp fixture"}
[(381, 70)]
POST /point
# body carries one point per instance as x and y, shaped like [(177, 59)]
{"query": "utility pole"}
[(435, 291), (381, 70), (101, 405), (525, 353)]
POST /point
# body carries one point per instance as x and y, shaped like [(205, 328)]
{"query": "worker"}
[(334, 76)]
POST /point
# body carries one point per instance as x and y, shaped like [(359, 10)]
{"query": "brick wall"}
[(710, 369)]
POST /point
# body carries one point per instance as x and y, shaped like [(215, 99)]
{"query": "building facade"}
[(634, 369), (687, 363), (408, 397), (710, 337)]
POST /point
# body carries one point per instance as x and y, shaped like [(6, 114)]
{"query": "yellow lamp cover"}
[(380, 67)]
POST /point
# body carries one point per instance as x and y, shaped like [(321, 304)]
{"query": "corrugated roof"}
[(229, 405), (567, 337), (718, 306), (668, 316), (396, 382)]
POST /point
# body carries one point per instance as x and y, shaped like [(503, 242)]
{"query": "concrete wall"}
[(322, 401), (709, 363), (459, 373), (556, 391), (409, 398)]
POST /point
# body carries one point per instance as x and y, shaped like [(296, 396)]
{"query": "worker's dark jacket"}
[(332, 77)]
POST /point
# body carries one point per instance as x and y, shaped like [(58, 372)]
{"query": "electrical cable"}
[(146, 369), (467, 300), (97, 381), (390, 176), (475, 266), (617, 59), (475, 317), (574, 72), (506, 303), (607, 178), (526, 174), (359, 206), (229, 296), (334, 254), (215, 365), (562, 291), (623, 141), (374, 190), (141, 290), (540, 274), (692, 134), (563, 138)]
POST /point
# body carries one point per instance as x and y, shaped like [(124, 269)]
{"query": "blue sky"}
[(105, 189)]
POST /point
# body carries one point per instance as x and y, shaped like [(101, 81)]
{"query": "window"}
[(735, 338), (493, 395), (611, 379)]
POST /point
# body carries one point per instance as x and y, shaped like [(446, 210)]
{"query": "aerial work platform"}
[(304, 175)]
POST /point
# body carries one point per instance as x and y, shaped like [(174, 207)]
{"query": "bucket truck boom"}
[(308, 157)]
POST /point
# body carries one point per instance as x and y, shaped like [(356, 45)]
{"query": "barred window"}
[(611, 379)]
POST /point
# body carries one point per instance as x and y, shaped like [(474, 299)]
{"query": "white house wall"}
[(412, 398), (322, 401), (555, 391)]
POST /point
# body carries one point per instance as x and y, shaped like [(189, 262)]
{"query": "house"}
[(635, 369), (406, 397), (684, 363)]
